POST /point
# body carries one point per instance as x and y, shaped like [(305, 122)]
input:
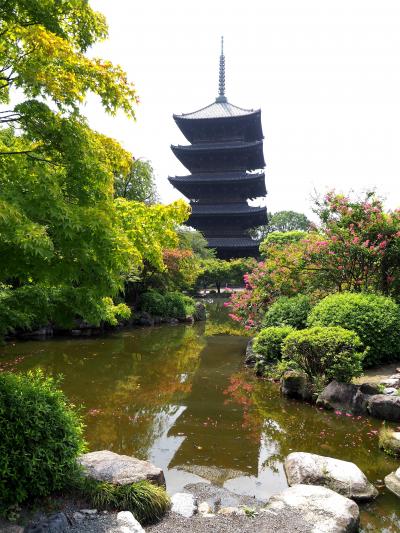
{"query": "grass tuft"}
[(387, 442), (147, 502)]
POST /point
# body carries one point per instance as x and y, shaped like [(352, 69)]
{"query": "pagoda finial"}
[(221, 86)]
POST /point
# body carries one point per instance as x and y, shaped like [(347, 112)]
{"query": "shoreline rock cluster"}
[(322, 496)]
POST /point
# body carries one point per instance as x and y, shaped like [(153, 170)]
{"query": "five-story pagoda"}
[(225, 160)]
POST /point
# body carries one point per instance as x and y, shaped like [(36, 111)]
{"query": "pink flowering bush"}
[(354, 248)]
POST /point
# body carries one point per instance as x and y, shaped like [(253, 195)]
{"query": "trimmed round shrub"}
[(41, 437), (153, 302), (288, 312), (268, 345), (178, 305), (376, 320), (325, 354)]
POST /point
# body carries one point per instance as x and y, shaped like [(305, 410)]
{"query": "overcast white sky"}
[(326, 74)]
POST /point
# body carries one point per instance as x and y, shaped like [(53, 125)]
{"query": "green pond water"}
[(180, 397)]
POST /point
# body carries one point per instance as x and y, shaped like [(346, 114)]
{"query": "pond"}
[(180, 397)]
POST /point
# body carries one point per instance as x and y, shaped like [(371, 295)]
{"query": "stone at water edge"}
[(324, 510), (295, 385), (384, 407), (341, 476), (128, 523), (251, 355), (345, 396), (119, 469), (184, 503), (392, 482)]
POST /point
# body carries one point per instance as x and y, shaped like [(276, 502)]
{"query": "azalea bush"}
[(169, 304), (375, 318), (324, 353)]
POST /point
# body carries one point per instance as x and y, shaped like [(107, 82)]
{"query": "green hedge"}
[(324, 354), (376, 320), (169, 304), (268, 346), (288, 312), (41, 437)]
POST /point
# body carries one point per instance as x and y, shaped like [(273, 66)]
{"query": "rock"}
[(341, 476), (295, 385), (40, 334), (344, 397), (391, 382), (231, 511), (200, 314), (119, 469), (57, 523), (78, 516), (323, 510), (392, 482), (184, 503), (88, 512), (204, 508), (129, 523), (251, 356), (384, 407), (146, 320), (390, 390), (370, 388)]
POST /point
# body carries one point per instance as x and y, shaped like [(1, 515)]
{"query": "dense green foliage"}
[(147, 502), (137, 183), (169, 304), (288, 312), (324, 353), (67, 245), (41, 437), (282, 221), (178, 305), (268, 345), (375, 318), (285, 221), (220, 273)]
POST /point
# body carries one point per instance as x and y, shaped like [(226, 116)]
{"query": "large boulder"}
[(392, 482), (345, 397), (341, 476), (295, 385), (119, 469), (384, 407), (317, 509)]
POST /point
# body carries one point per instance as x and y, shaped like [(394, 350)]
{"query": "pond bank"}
[(181, 398)]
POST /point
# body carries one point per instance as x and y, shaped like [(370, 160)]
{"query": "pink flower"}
[(338, 412)]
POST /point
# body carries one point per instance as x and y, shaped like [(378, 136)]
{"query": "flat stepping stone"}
[(119, 469), (322, 509), (184, 504), (343, 477)]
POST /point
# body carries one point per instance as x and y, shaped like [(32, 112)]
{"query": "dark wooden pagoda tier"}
[(225, 160), (210, 185)]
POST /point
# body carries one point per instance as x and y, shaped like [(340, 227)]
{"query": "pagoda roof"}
[(233, 242), (226, 209), (220, 156), (217, 110), (214, 177)]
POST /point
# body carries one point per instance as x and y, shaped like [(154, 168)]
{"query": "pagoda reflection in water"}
[(225, 160)]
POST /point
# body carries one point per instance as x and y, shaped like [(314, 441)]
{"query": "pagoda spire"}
[(221, 98)]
